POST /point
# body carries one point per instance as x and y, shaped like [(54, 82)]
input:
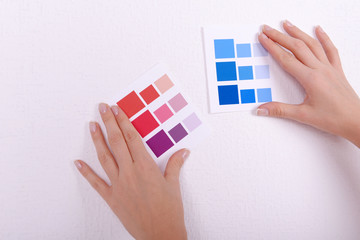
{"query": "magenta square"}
[(178, 132), (178, 102), (163, 113), (160, 143), (192, 122)]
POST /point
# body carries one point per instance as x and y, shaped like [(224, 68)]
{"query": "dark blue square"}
[(226, 71), (246, 73), (228, 94), (224, 48), (247, 96)]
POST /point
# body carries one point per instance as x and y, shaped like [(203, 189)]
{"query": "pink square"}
[(178, 102), (163, 113)]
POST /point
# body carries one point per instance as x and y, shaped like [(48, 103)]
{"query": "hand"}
[(330, 103), (146, 202)]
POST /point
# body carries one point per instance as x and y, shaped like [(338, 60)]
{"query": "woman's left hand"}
[(148, 203)]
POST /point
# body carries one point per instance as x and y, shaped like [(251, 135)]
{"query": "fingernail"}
[(102, 108), (186, 154), (287, 23), (78, 164), (115, 110), (92, 127), (266, 28), (262, 112), (320, 29), (263, 36)]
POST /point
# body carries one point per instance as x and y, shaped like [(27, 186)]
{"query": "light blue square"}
[(228, 94), (247, 96), (262, 71), (226, 71), (259, 50), (264, 95), (246, 73), (224, 48), (243, 50)]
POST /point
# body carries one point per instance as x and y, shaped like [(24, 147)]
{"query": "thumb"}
[(174, 165), (280, 110)]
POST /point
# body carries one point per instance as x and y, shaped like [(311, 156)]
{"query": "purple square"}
[(178, 102), (159, 143), (178, 132), (192, 122)]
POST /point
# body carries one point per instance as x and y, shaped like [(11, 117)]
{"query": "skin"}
[(330, 104), (148, 203)]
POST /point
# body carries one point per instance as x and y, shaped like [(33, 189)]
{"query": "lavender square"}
[(192, 122), (262, 71)]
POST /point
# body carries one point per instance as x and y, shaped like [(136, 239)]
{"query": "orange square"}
[(131, 104), (149, 94)]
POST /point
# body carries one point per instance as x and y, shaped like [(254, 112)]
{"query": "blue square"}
[(247, 96), (264, 95), (228, 94), (243, 50), (259, 50), (224, 48), (226, 71), (262, 71), (246, 73)]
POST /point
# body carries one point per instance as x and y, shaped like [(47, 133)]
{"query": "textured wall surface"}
[(255, 178)]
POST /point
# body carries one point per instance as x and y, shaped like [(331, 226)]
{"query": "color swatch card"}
[(239, 69), (161, 114)]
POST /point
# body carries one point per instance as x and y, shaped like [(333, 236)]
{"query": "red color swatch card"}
[(163, 116)]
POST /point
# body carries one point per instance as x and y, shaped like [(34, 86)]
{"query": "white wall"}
[(255, 178)]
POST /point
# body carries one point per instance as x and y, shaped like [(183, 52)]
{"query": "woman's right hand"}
[(330, 103)]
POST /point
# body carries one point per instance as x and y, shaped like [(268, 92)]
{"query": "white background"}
[(255, 178)]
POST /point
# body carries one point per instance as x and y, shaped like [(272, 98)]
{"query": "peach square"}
[(164, 83)]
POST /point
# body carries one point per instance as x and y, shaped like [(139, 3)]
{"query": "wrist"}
[(169, 230), (352, 127)]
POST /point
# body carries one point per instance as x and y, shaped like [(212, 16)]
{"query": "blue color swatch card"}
[(239, 69)]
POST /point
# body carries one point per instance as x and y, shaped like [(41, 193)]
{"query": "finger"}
[(296, 46), (134, 143), (329, 48), (286, 60), (95, 181), (313, 44), (116, 139), (105, 157), (173, 167), (281, 110)]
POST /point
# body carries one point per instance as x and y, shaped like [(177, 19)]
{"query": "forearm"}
[(352, 127), (354, 137)]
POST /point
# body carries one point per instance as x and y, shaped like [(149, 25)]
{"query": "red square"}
[(131, 104), (145, 123), (149, 94)]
